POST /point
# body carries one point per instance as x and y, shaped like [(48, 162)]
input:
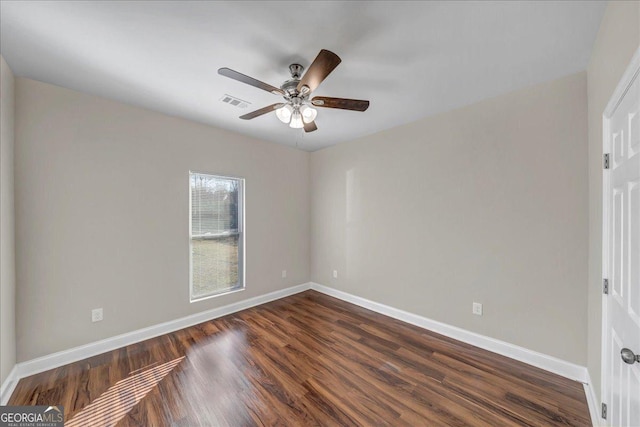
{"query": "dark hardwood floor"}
[(308, 359)]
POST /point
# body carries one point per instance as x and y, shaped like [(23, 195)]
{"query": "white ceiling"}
[(410, 59)]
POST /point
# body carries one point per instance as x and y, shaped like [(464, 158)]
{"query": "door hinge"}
[(605, 286), (606, 161), (604, 411)]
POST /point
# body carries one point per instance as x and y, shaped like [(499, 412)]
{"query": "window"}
[(216, 235)]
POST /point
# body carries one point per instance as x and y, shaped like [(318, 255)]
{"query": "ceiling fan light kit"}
[(284, 113), (309, 114), (297, 109), (296, 121)]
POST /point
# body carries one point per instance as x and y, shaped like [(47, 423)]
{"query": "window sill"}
[(206, 297)]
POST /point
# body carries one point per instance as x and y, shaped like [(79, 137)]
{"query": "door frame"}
[(631, 73)]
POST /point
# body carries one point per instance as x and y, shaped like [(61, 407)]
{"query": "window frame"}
[(240, 286)]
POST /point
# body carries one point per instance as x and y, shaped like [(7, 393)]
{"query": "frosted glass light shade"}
[(296, 120), (308, 114), (284, 113)]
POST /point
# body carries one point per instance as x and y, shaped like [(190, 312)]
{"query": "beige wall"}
[(7, 247), (617, 41), (102, 215), (487, 203)]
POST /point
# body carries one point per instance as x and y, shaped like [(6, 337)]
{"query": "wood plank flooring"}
[(308, 359)]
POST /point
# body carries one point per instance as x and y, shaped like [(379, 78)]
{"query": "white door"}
[(621, 371)]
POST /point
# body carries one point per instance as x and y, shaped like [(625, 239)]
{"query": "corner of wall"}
[(7, 227)]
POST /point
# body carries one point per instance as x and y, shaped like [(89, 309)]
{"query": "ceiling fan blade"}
[(322, 66), (265, 110), (310, 127), (341, 103), (228, 72)]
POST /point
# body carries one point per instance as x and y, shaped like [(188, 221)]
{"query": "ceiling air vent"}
[(236, 102)]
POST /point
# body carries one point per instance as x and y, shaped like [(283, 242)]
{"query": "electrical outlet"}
[(284, 274), (335, 274), (477, 309), (96, 315)]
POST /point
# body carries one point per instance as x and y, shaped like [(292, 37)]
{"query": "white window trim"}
[(241, 241)]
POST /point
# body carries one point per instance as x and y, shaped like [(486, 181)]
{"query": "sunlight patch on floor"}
[(111, 406)]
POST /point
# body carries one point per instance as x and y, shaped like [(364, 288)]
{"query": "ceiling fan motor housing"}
[(290, 87)]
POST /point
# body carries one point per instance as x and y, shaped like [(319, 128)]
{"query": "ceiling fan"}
[(297, 109)]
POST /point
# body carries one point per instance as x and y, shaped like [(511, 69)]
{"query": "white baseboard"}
[(50, 361), (9, 385), (549, 363), (540, 360), (592, 401)]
